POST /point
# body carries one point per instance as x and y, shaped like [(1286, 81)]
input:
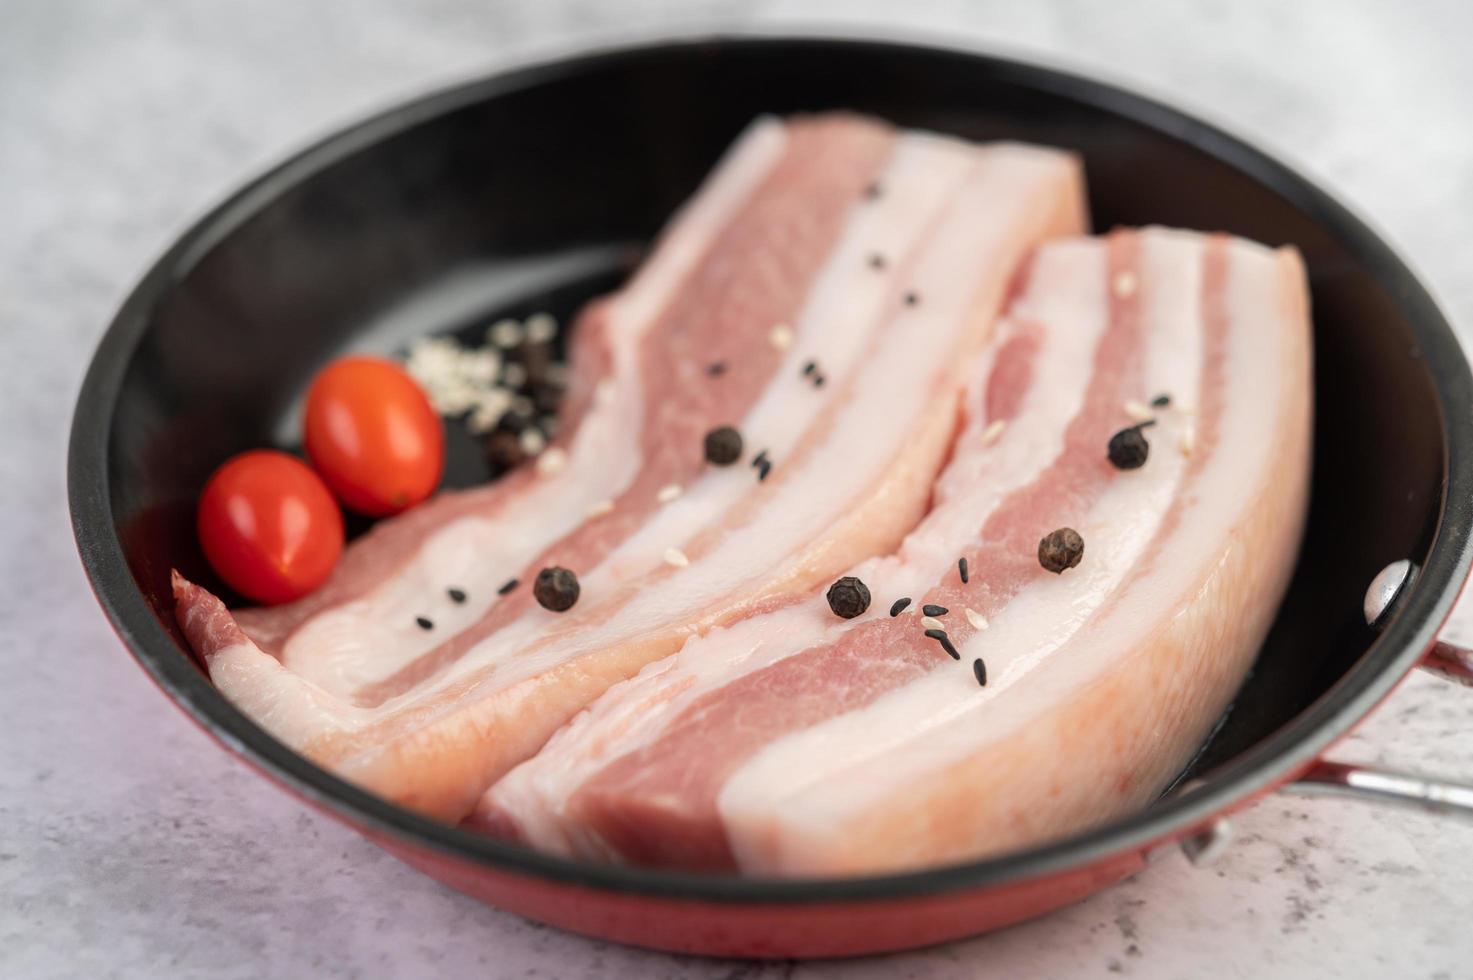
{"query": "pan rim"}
[(1271, 761)]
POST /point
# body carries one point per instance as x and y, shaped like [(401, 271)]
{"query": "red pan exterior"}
[(773, 931)]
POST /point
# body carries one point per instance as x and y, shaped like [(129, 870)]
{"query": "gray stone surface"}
[(130, 845)]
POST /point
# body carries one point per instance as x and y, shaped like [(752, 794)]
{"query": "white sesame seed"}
[(1125, 284), (781, 336), (993, 432), (506, 333), (532, 441), (494, 398), (1137, 411), (668, 493), (488, 409), (552, 461), (479, 366), (513, 375), (541, 327), (451, 397), (932, 623), (676, 557), (601, 508), (977, 620), (1188, 440)]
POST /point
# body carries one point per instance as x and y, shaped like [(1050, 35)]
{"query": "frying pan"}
[(535, 190)]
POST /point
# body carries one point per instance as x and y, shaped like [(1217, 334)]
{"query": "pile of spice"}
[(506, 389)]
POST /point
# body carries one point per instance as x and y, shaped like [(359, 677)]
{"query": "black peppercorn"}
[(1128, 449), (1060, 550), (556, 589), (536, 359), (848, 597), (514, 422), (504, 449), (723, 446), (546, 397)]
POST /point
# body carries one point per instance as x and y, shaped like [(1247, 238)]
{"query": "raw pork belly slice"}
[(785, 257), (793, 743)]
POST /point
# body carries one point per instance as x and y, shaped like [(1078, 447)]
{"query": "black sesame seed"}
[(457, 596), (423, 623), (876, 261), (759, 459), (556, 589), (1061, 550), (848, 597), (762, 470), (940, 637), (1128, 449), (723, 446), (507, 586), (873, 191), (979, 670), (931, 609), (716, 369), (961, 567), (818, 380), (1160, 401), (912, 298), (809, 368), (899, 606)]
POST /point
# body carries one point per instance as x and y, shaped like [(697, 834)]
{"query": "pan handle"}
[(1446, 659), (1384, 786), (1453, 662), (1343, 779)]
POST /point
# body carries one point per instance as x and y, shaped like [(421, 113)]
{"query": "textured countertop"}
[(130, 845)]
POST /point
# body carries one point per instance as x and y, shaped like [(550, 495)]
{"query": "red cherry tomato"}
[(269, 526), (373, 435)]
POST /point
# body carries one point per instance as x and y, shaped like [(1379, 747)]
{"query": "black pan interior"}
[(537, 193)]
